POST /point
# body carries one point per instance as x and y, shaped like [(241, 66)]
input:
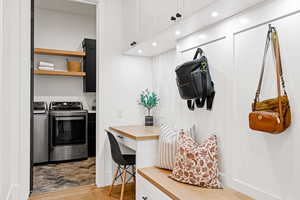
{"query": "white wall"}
[(121, 79), (15, 99), (261, 165), (56, 29), (59, 29)]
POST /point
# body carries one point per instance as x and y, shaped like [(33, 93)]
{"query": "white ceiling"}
[(166, 40), (68, 6), (200, 20)]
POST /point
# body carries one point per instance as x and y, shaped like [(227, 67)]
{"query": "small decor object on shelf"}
[(73, 66), (149, 100)]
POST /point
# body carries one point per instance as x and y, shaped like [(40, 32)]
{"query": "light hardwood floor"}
[(90, 192)]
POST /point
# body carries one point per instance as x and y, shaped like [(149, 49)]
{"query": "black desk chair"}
[(124, 162)]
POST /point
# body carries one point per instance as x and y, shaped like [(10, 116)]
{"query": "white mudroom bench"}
[(153, 184)]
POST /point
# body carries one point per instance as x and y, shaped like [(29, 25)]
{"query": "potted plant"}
[(149, 100)]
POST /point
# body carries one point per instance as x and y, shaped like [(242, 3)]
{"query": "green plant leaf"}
[(148, 99)]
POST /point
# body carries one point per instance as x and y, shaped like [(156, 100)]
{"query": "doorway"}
[(63, 91)]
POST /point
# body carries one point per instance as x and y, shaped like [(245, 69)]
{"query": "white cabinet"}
[(148, 18), (162, 12), (131, 22), (190, 7), (144, 19), (146, 191)]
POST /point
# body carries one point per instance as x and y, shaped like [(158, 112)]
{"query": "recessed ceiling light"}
[(140, 51), (202, 36), (154, 44), (215, 14), (178, 32)]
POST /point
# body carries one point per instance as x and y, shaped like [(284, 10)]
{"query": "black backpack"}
[(194, 82)]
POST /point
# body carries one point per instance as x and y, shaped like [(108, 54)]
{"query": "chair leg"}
[(113, 181), (123, 182)]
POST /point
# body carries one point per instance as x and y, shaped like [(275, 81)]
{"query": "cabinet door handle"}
[(119, 136), (178, 15), (145, 198)]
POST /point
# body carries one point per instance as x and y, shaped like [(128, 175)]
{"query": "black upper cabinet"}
[(89, 65)]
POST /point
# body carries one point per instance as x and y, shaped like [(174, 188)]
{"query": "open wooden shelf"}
[(58, 73), (58, 52)]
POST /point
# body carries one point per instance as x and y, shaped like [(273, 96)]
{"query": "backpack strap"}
[(200, 102), (191, 105), (210, 100)]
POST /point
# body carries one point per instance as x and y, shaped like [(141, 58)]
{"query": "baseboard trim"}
[(252, 191), (12, 192)]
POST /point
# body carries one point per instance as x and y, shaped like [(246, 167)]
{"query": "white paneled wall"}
[(271, 157), (261, 165), (173, 110)]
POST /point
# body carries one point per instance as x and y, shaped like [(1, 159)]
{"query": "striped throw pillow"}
[(167, 146)]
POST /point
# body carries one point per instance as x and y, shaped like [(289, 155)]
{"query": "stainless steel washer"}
[(40, 133)]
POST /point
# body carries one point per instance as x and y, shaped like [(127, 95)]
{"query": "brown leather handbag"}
[(272, 115)]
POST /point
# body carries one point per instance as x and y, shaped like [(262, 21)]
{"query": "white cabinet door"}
[(146, 191), (165, 10), (131, 22), (148, 15), (155, 16), (143, 19), (190, 7)]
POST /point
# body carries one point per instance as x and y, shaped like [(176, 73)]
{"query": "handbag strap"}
[(267, 45), (279, 76), (277, 46), (272, 34), (199, 51)]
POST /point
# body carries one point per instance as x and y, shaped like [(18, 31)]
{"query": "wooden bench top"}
[(138, 132), (179, 191)]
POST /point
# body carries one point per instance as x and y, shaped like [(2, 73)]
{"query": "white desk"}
[(142, 139)]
